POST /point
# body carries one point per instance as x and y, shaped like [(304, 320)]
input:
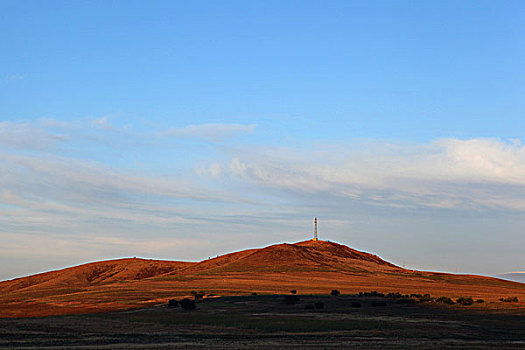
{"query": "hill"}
[(309, 267), (512, 276)]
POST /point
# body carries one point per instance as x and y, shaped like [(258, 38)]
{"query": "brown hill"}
[(309, 267), (94, 274)]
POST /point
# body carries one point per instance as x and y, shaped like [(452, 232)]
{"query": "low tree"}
[(465, 301), (335, 292), (187, 304), (173, 303), (425, 298), (293, 291), (198, 296), (445, 300)]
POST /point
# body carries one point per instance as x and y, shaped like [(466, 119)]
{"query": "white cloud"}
[(448, 173), (102, 123), (27, 136), (212, 132)]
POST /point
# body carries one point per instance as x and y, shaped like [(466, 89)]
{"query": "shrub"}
[(319, 305), (173, 303), (445, 300), (360, 294), (254, 294), (187, 304), (425, 298), (465, 301), (405, 301), (395, 295), (510, 300), (293, 291), (378, 303), (355, 304), (291, 299), (480, 301), (198, 296), (335, 292)]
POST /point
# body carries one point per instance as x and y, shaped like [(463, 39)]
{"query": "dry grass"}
[(307, 267)]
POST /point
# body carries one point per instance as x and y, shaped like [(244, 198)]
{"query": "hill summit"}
[(312, 266)]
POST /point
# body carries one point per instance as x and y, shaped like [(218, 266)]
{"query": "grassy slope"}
[(310, 267)]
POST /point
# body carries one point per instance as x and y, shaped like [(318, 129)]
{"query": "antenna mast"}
[(315, 229)]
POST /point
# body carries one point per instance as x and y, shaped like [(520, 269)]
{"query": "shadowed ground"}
[(265, 322)]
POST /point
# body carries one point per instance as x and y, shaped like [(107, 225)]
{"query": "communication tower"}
[(315, 229)]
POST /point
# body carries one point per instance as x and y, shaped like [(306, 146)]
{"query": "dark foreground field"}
[(265, 322)]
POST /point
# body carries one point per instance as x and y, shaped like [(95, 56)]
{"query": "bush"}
[(465, 301), (378, 303), (510, 300), (425, 298), (254, 294), (319, 305), (395, 295), (187, 304), (445, 300), (291, 299), (355, 304), (293, 291), (173, 303), (405, 301), (480, 301), (335, 292)]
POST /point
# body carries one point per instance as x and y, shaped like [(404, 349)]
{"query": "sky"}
[(182, 130)]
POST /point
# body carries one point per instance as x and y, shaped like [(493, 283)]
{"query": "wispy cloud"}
[(214, 132), (102, 123), (448, 173), (14, 77), (27, 136), (87, 180)]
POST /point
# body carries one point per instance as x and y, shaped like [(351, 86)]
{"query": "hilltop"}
[(309, 266)]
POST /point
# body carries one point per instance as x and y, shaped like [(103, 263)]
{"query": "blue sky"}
[(182, 130)]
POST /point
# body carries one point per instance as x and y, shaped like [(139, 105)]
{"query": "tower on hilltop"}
[(315, 230)]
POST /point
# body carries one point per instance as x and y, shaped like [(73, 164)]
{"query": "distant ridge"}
[(308, 266), (512, 276)]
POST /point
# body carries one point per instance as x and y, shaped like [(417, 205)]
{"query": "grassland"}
[(265, 322), (310, 267)]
